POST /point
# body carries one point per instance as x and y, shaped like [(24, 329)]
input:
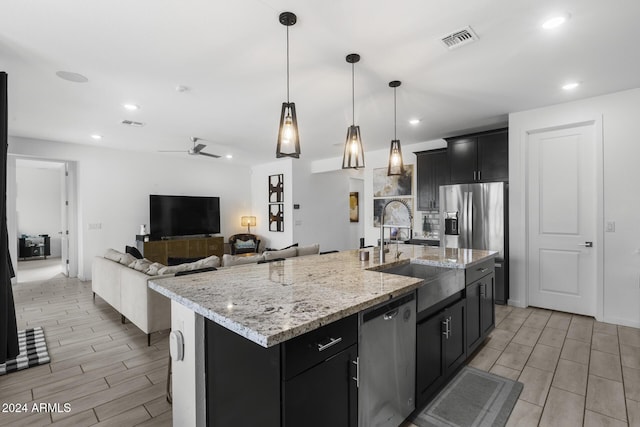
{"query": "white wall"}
[(620, 300), (259, 206), (113, 190), (39, 196), (323, 216)]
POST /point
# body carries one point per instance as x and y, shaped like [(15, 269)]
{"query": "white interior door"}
[(562, 216), (64, 226)]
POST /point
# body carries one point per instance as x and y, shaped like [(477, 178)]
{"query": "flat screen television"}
[(172, 216)]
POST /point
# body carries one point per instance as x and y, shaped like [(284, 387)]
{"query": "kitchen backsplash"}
[(429, 226)]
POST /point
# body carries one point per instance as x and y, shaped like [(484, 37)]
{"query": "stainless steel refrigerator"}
[(475, 216)]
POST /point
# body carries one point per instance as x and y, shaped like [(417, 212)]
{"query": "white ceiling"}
[(231, 56)]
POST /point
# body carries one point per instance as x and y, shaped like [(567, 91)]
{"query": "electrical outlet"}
[(611, 227)]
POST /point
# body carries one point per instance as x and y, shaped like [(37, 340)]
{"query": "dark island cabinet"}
[(440, 349), (310, 380), (325, 395), (433, 171), (480, 308), (482, 157)]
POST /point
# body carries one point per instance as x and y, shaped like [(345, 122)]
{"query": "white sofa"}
[(122, 281), (126, 290)]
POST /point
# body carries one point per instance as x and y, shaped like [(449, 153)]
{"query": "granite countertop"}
[(273, 302)]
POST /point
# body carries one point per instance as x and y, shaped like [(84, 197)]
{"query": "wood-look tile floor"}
[(100, 367), (575, 371)]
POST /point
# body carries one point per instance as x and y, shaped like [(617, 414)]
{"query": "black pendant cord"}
[(353, 95), (287, 64), (395, 115)]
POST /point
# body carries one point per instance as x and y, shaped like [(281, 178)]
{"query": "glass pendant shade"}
[(396, 166), (353, 157), (288, 138)]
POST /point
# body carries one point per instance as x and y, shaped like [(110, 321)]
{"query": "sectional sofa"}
[(121, 280)]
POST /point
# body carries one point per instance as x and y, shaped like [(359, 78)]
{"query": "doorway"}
[(42, 193), (564, 188)]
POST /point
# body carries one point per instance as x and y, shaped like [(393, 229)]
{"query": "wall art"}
[(393, 186), (276, 188), (276, 217), (354, 207)]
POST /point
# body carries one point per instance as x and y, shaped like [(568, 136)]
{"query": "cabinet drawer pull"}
[(331, 343), (390, 315), (483, 270)]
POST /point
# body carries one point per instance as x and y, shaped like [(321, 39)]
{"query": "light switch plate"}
[(611, 227)]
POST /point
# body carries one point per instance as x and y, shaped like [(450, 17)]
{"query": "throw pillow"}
[(127, 259), (155, 268), (309, 250), (141, 265), (133, 251), (230, 260), (113, 255), (212, 261), (248, 244), (284, 253), (295, 245)]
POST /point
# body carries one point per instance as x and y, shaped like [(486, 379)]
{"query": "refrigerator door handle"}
[(470, 219)]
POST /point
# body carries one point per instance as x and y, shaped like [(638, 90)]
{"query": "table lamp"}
[(248, 221)]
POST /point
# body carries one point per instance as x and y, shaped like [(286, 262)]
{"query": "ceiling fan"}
[(195, 150)]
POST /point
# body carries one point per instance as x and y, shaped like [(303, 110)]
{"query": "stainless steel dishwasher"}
[(386, 362)]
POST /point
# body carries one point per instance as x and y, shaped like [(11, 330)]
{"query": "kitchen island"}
[(273, 303)]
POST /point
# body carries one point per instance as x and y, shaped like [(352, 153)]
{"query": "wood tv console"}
[(199, 247)]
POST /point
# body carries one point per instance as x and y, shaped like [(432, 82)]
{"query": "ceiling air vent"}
[(459, 38), (132, 123)]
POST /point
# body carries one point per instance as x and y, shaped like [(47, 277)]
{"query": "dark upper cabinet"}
[(482, 157), (433, 171)]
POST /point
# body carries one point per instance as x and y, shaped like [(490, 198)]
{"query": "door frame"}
[(71, 196), (519, 136)]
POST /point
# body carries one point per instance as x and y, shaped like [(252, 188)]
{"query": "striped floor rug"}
[(33, 351)]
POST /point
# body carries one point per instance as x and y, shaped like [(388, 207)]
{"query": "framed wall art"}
[(354, 207)]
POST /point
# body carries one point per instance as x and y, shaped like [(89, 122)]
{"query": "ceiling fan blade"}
[(170, 151), (198, 148), (202, 153)]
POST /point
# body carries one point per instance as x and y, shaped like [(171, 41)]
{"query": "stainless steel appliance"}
[(474, 216), (387, 362)]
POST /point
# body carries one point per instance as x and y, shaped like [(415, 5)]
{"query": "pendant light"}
[(396, 167), (288, 137), (353, 157)]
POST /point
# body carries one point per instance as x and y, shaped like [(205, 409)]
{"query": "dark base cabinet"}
[(480, 311), (324, 395), (440, 349), (307, 381), (242, 378)]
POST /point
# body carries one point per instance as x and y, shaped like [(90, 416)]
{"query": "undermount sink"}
[(439, 282)]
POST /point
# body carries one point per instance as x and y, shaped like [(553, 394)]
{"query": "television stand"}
[(192, 247)]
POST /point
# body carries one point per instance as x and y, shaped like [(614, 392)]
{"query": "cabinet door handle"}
[(445, 326), (332, 342), (357, 377), (483, 290), (479, 175), (474, 175)]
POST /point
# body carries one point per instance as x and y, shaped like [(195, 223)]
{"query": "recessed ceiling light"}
[(131, 107), (555, 21), (229, 156), (414, 121), (570, 85), (96, 137), (72, 77)]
